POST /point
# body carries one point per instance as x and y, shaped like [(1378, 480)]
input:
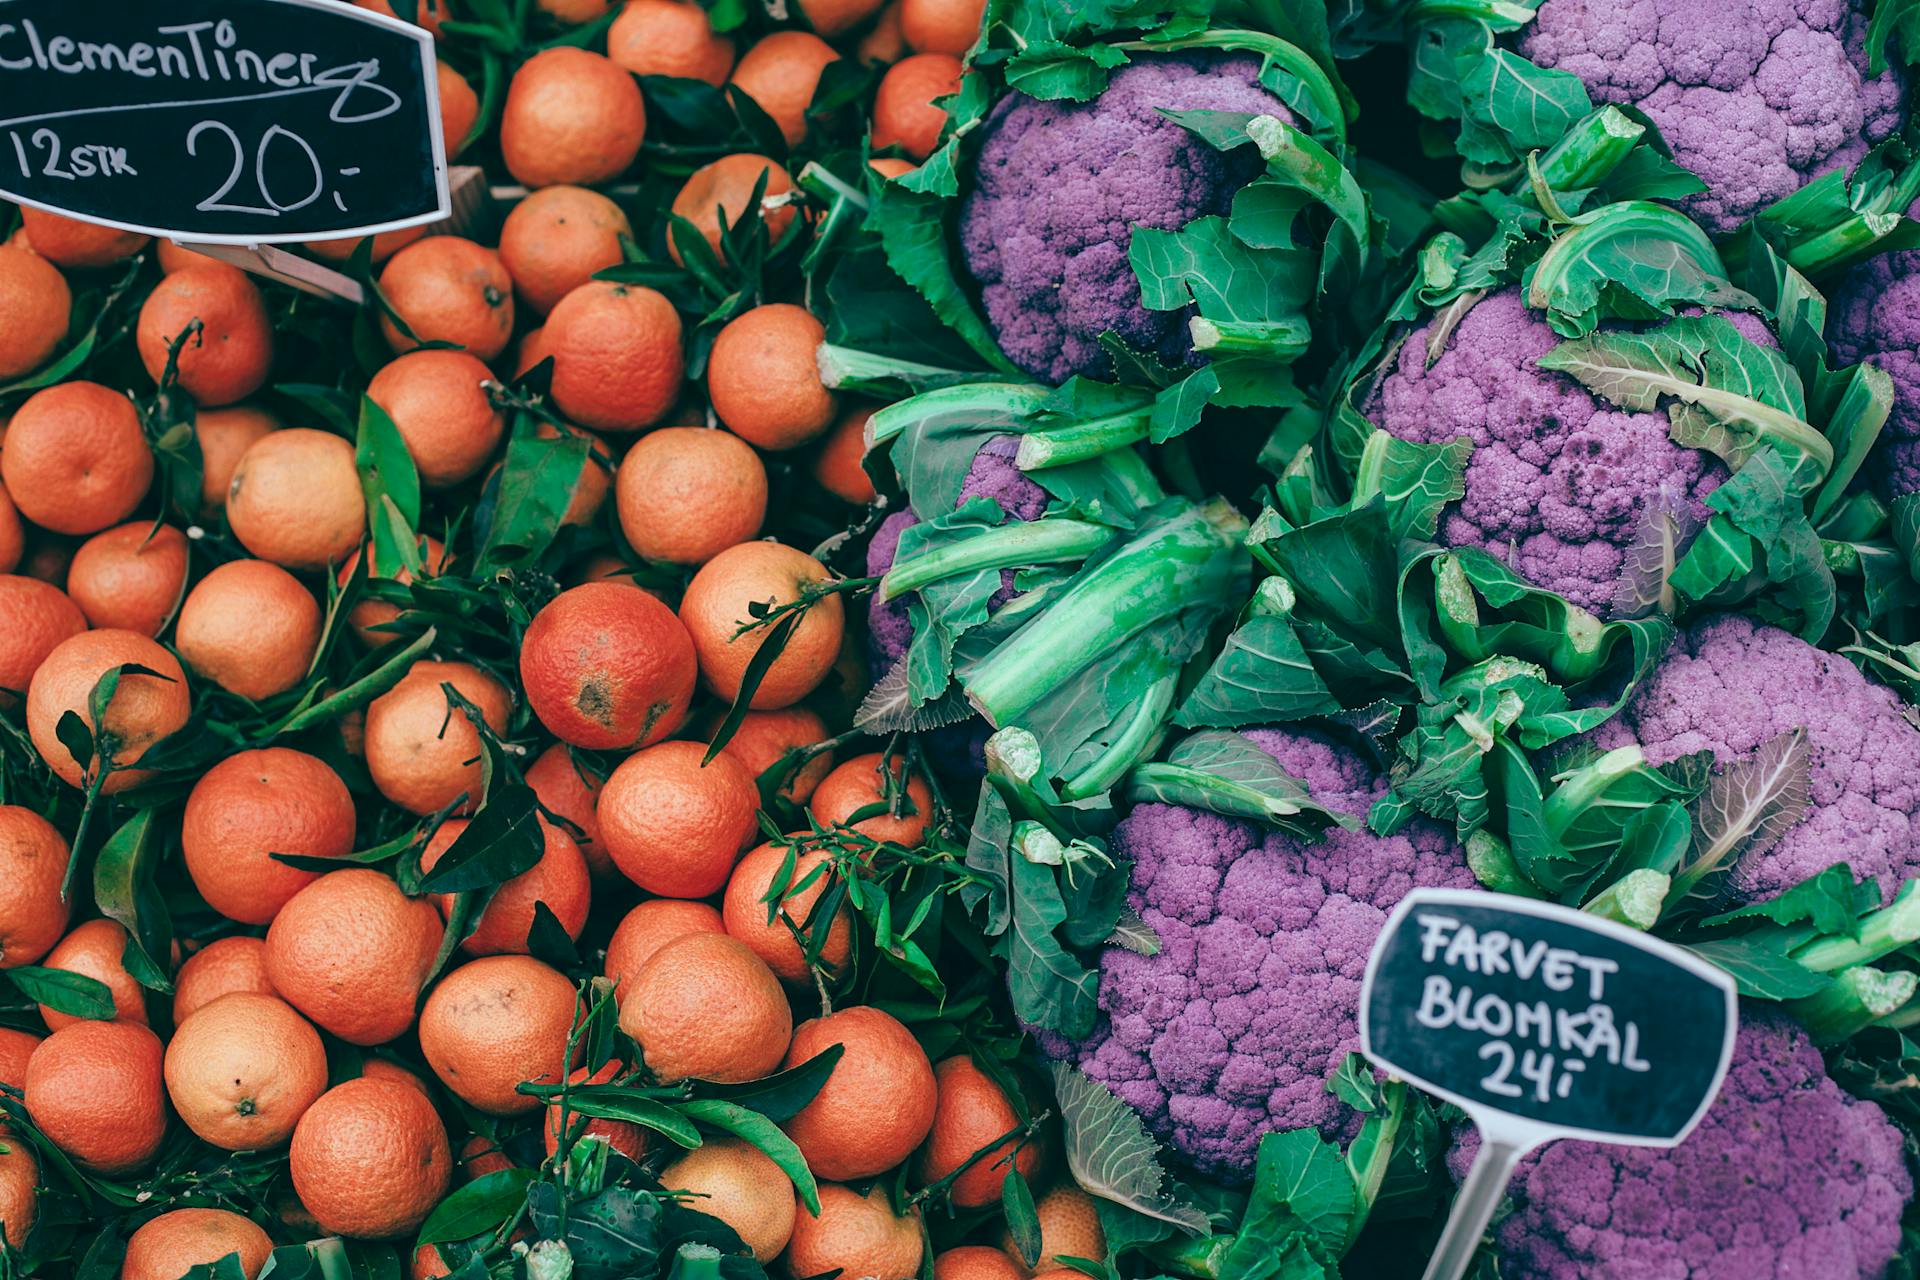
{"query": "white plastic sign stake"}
[(1541, 1022)]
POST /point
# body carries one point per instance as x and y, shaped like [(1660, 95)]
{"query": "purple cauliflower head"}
[(1788, 1177), (1561, 485), (1059, 187), (1875, 317), (1756, 97), (1730, 684), (1234, 1027)]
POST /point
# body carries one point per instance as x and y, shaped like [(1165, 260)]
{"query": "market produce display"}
[(839, 675)]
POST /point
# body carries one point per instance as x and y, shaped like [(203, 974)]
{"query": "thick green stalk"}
[(1014, 762), (1881, 933), (1492, 862), (1633, 900), (1010, 546), (1586, 786), (1137, 740), (1837, 246), (1855, 999), (1590, 150), (1184, 562), (1280, 340), (1010, 403), (850, 369), (1045, 447), (1457, 610)]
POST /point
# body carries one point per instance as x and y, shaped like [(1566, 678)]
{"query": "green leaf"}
[(746, 1123), (502, 841), (1023, 1219), (1829, 900), (912, 229), (1761, 969), (74, 994), (1227, 773), (390, 484), (1509, 107), (1301, 1192), (1111, 1155), (478, 1207), (1049, 986), (1893, 20), (1262, 675), (124, 888), (1633, 259), (780, 1097), (535, 488), (1749, 804)]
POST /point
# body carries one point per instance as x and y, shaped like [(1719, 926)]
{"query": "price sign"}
[(1541, 1022), (221, 121)]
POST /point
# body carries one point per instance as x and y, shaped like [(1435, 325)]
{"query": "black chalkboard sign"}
[(1551, 1017), (220, 121)]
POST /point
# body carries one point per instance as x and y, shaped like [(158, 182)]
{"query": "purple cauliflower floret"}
[(1875, 317), (1730, 684), (1059, 187), (1561, 485), (1756, 97), (1233, 1028), (1788, 1177)]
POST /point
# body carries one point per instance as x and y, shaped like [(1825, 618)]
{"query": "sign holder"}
[(1463, 985)]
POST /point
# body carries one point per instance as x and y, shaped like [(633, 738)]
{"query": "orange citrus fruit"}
[(351, 952), (35, 306), (883, 43), (704, 1007), (858, 784), (459, 108), (229, 358), (941, 26), (567, 790), (891, 166), (837, 467), (76, 459), (437, 401), (975, 1262), (33, 864), (130, 577), (571, 117), (369, 613), (617, 362), (69, 242), (448, 289), (95, 1090), (423, 754), (255, 804), (855, 1235), (479, 1156), (607, 666), (906, 113), (559, 880), (224, 435), (554, 240), (221, 968), (736, 1182), (1069, 1228), (837, 17), (650, 926), (496, 1022), (427, 13), (972, 1112), (376, 1068), (630, 1140), (177, 257), (685, 494), (763, 737), (13, 534), (243, 1070), (673, 825), (780, 73), (144, 709), (723, 190), (765, 380), (716, 607), (169, 1246), (877, 1105), (250, 627), (370, 1159), (19, 1197), (16, 1047), (385, 245), (669, 38), (39, 617), (95, 949), (750, 918), (295, 499)]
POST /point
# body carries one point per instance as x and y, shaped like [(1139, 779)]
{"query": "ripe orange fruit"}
[(39, 616), (891, 166), (352, 952), (569, 792), (765, 736), (13, 534), (250, 627), (617, 362), (723, 191), (221, 968), (877, 1105), (765, 380), (76, 459), (15, 1048), (449, 290), (243, 1070), (686, 494), (370, 1159), (674, 826), (145, 708), (428, 1264), (883, 42), (837, 468), (224, 435), (295, 499), (495, 1022), (858, 783), (422, 753), (69, 242), (94, 949), (459, 108), (715, 608), (856, 1235), (630, 1140), (479, 1155), (706, 1008), (669, 38), (377, 1068), (130, 576), (971, 1112), (33, 862), (975, 1262), (442, 411), (905, 110), (254, 804), (19, 1199), (427, 13), (370, 614), (780, 73), (573, 117), (941, 26), (745, 910), (607, 666), (531, 351), (175, 257), (385, 245), (230, 357), (35, 306), (94, 1088), (650, 926), (736, 1182), (837, 17), (1069, 1228), (559, 879), (575, 12), (555, 240), (169, 1246)]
